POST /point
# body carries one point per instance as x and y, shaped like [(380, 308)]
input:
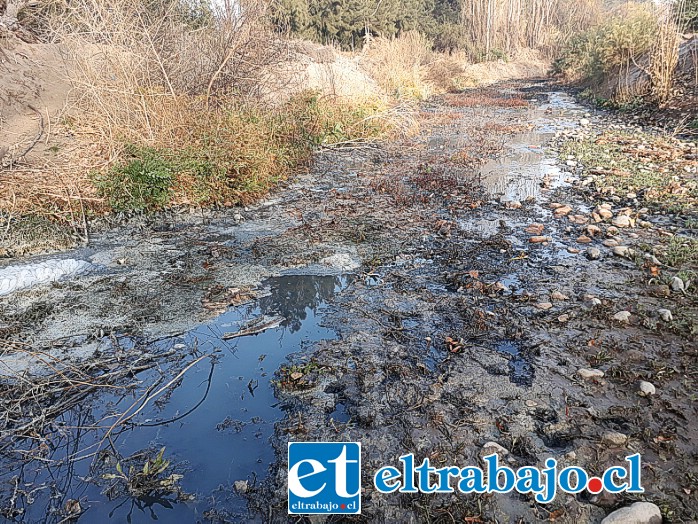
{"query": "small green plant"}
[(148, 480), (142, 182), (681, 251)]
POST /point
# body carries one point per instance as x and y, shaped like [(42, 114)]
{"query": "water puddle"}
[(524, 167), (215, 424), (521, 371)]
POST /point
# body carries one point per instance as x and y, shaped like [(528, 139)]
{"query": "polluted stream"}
[(220, 421), (214, 424)]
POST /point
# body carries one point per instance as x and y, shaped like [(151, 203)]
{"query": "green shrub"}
[(141, 182)]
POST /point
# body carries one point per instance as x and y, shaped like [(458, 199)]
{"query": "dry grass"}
[(484, 99), (398, 65), (174, 103)]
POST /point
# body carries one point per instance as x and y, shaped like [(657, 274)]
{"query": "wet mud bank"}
[(431, 296)]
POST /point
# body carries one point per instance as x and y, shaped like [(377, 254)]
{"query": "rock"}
[(631, 196), (539, 240), (593, 253), (622, 316), (604, 211), (612, 231), (241, 486), (584, 122), (584, 240), (296, 375), (595, 302), (535, 229), (556, 295), (614, 438), (513, 204), (659, 291), (545, 306), (666, 315), (610, 242), (341, 261), (237, 217), (493, 447), (638, 513), (646, 389), (562, 211), (573, 250), (678, 285), (590, 374), (579, 219), (644, 224), (563, 318), (622, 221), (593, 230), (623, 251)]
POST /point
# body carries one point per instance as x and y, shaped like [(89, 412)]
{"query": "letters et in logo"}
[(324, 478)]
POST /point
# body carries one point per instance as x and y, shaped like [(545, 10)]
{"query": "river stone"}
[(590, 374), (593, 253), (666, 315), (614, 438), (622, 316), (623, 251), (593, 230), (638, 513), (677, 284), (604, 212), (563, 211), (241, 486), (493, 447), (647, 389), (622, 221)]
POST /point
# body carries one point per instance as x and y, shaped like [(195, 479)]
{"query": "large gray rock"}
[(638, 513)]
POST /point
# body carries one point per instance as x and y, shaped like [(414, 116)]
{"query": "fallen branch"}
[(259, 326)]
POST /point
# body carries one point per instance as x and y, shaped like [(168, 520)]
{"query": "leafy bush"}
[(142, 181)]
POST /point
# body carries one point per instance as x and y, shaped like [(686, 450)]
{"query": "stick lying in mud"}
[(256, 327)]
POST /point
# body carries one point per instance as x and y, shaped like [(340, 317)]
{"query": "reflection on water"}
[(292, 297), (215, 424)]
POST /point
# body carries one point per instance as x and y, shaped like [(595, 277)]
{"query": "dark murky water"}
[(521, 370), (215, 425)]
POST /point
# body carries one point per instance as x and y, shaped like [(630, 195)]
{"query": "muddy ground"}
[(464, 301)]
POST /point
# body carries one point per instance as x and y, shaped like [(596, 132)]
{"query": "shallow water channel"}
[(217, 420), (215, 425)]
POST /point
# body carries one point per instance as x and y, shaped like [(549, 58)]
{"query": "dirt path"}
[(473, 305)]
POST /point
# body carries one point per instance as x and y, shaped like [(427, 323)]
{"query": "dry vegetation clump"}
[(235, 154), (168, 111), (398, 64), (484, 99), (628, 58)]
